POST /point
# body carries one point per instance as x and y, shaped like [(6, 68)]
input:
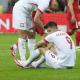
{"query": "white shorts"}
[(51, 59), (22, 16), (55, 61)]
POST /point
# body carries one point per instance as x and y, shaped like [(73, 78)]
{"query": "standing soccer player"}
[(73, 13), (22, 21)]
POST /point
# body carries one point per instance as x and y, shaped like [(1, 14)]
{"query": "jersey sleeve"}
[(48, 39), (43, 5)]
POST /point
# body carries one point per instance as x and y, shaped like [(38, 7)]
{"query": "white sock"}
[(22, 48), (38, 62), (30, 59), (31, 46), (33, 53), (15, 46)]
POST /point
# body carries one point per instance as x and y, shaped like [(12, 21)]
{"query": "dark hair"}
[(50, 25), (62, 4)]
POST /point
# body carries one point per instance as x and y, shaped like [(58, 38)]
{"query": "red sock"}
[(77, 38)]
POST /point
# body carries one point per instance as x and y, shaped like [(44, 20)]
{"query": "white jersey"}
[(64, 47), (41, 4)]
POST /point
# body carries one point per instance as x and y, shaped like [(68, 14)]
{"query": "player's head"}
[(54, 5), (51, 27)]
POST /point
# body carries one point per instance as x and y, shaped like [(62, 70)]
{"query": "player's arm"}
[(70, 5), (49, 45), (40, 44), (37, 19), (42, 6), (79, 4), (43, 46), (44, 43)]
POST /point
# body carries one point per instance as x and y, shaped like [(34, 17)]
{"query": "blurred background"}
[(6, 6)]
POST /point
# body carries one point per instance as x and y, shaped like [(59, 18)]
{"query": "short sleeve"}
[(43, 5), (48, 39)]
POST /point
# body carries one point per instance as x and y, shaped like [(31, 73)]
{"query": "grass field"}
[(9, 71)]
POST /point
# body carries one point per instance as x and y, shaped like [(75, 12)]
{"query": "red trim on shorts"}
[(40, 11)]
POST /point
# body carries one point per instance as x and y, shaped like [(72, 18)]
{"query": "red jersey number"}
[(69, 41)]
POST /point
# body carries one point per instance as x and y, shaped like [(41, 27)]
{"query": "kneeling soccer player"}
[(60, 49)]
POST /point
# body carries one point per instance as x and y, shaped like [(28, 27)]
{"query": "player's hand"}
[(49, 11), (79, 7), (73, 20)]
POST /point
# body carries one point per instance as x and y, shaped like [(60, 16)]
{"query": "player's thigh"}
[(51, 59), (21, 20)]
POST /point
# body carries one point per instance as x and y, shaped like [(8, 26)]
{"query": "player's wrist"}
[(79, 7)]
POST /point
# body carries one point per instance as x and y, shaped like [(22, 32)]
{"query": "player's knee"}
[(22, 34), (31, 35)]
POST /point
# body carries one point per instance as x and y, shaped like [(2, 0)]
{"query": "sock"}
[(38, 62), (77, 38), (33, 53), (31, 58), (22, 48), (15, 46), (31, 46)]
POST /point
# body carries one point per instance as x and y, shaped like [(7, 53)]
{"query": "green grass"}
[(9, 71)]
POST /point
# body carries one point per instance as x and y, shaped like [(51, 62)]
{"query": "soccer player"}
[(57, 47), (73, 13), (22, 21), (61, 53)]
